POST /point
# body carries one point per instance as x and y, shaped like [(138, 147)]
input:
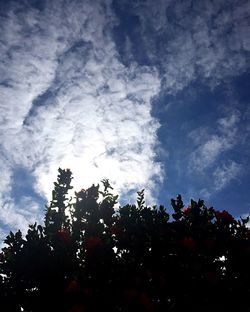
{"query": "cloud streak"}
[(226, 173), (211, 144)]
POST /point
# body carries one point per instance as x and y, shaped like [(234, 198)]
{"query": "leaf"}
[(140, 199)]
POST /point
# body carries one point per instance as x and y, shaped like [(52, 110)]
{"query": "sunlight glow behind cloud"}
[(68, 101), (79, 86)]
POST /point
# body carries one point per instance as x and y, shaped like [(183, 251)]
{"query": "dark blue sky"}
[(201, 102), (175, 133), (150, 94)]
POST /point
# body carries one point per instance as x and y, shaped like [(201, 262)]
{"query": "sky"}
[(150, 94)]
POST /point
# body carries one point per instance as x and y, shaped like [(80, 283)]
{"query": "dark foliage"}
[(89, 257)]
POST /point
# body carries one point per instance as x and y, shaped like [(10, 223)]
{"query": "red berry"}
[(64, 236), (188, 242), (211, 277), (224, 216), (187, 210), (209, 243), (92, 242), (72, 287)]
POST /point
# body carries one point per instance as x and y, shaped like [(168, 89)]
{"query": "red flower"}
[(209, 243), (92, 242), (224, 216), (146, 302), (248, 234), (187, 210), (2, 256), (130, 293), (77, 308), (72, 287), (248, 250), (87, 291), (211, 277), (64, 236), (115, 230), (189, 242)]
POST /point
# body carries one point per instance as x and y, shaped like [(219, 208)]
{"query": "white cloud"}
[(224, 174), (211, 143), (68, 101), (208, 152), (229, 123), (208, 40), (205, 194)]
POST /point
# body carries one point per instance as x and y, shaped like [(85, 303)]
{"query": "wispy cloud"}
[(211, 143), (224, 174), (215, 156)]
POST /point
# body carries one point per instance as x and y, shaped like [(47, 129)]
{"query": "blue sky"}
[(151, 94)]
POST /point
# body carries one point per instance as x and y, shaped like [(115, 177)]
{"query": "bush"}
[(89, 257)]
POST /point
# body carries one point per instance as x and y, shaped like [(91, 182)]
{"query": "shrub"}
[(89, 256)]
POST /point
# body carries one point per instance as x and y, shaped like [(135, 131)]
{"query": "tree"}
[(89, 256)]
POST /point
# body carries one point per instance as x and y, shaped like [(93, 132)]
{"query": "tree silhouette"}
[(89, 256)]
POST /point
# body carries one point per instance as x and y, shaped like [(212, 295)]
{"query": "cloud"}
[(211, 143), (208, 152), (224, 174), (73, 96), (214, 150), (205, 194), (187, 40), (227, 124), (68, 101), (108, 134)]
